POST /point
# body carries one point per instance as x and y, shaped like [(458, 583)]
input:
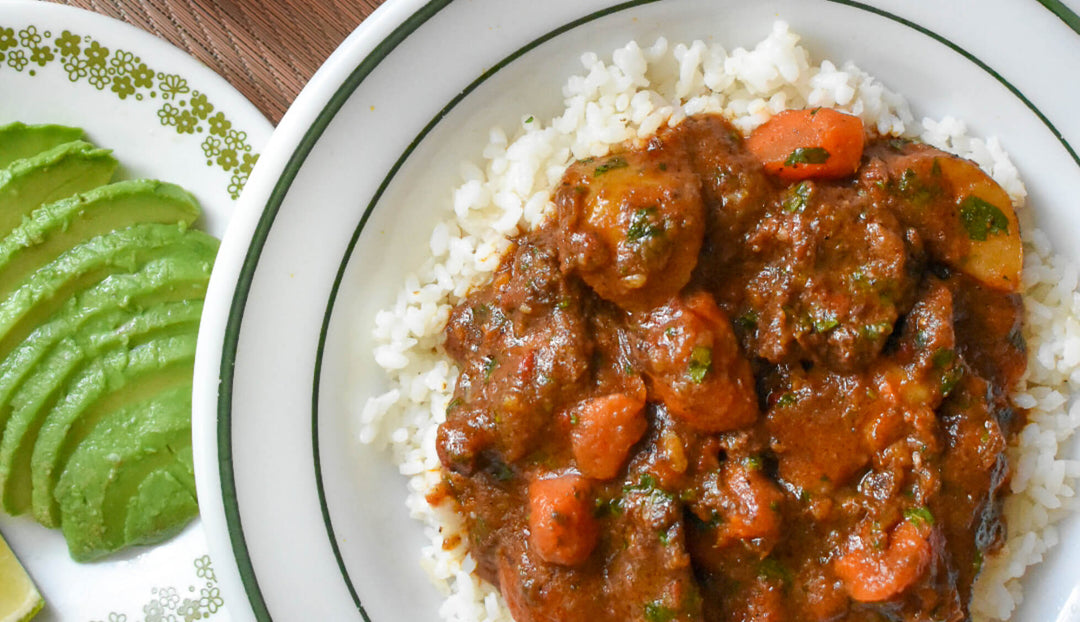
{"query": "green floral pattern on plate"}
[(169, 604), (122, 73)]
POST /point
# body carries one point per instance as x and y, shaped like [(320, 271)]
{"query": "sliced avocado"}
[(116, 304), (87, 264), (49, 176), (18, 140), (160, 508), (70, 379), (22, 426), (122, 449), (53, 228), (119, 378)]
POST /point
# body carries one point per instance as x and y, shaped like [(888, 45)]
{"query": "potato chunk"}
[(631, 224)]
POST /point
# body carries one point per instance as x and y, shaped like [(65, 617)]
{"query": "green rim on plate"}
[(281, 188)]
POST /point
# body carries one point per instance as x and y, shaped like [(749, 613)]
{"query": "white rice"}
[(630, 95)]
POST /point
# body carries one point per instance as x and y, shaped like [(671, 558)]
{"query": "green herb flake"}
[(656, 611), (943, 358), (1016, 339), (574, 418), (919, 516), (454, 404), (898, 144), (562, 304), (787, 399), (797, 198), (774, 569), (529, 120), (950, 378), (610, 165), (747, 321), (665, 537), (490, 363), (807, 155), (982, 219), (753, 463), (605, 508), (502, 472), (825, 323), (876, 330), (642, 225), (700, 363)]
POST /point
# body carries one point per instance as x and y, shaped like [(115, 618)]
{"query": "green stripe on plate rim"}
[(307, 143)]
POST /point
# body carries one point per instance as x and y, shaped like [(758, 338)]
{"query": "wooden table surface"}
[(267, 49)]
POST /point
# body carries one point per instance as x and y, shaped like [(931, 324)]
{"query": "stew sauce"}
[(702, 391)]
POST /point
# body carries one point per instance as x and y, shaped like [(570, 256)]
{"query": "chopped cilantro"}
[(747, 320), (642, 225), (797, 198), (490, 363), (807, 155), (665, 537), (611, 164), (604, 508), (529, 120), (982, 218), (876, 330), (772, 568), (898, 144), (919, 516), (950, 378), (825, 323), (656, 611), (943, 358), (501, 471), (787, 399), (700, 363)]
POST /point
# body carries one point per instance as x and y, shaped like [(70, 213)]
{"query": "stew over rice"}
[(743, 379)]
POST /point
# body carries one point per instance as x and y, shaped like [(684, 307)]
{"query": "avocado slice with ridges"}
[(55, 227), (112, 382), (49, 176), (118, 450), (18, 140), (160, 508), (87, 264), (114, 304), (72, 377)]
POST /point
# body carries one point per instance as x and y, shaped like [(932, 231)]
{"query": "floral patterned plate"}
[(165, 116)]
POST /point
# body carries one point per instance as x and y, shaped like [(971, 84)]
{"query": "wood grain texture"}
[(267, 49)]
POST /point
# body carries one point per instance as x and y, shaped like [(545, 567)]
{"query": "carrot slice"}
[(818, 143), (606, 428), (562, 529)]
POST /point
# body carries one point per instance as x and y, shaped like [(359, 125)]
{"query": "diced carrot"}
[(562, 528), (817, 143), (604, 430), (873, 575)]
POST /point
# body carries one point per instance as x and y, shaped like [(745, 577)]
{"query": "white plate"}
[(341, 206), (166, 116)]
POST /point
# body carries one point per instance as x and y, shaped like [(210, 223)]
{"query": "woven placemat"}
[(267, 49)]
